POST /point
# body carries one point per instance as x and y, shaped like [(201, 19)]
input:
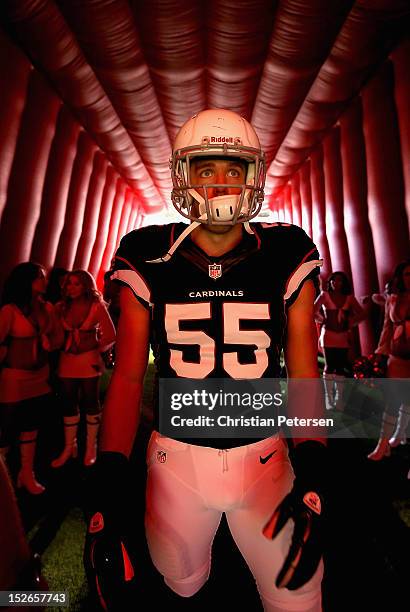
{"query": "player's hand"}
[(304, 505), (305, 550), (107, 557)]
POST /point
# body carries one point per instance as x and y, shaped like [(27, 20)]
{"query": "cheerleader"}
[(89, 331), (28, 331), (337, 311), (394, 344)]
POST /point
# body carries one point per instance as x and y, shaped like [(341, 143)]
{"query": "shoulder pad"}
[(295, 252), (143, 244), (292, 238)]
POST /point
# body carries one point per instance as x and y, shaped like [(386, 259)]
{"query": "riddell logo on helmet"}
[(227, 139)]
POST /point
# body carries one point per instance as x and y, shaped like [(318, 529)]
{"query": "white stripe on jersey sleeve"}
[(299, 275), (135, 282)]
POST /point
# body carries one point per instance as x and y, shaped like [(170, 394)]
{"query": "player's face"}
[(74, 288), (214, 171)]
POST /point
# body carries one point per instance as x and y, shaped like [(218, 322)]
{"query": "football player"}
[(217, 298)]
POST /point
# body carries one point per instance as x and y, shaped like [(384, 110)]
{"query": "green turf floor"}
[(63, 562)]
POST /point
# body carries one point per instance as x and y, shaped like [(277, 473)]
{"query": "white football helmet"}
[(217, 133)]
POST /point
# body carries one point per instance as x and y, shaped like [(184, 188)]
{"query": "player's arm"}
[(122, 404), (305, 502), (301, 336), (108, 557), (301, 361)]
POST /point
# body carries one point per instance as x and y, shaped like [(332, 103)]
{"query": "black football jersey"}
[(218, 317)]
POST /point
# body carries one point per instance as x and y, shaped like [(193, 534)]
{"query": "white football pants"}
[(188, 489)]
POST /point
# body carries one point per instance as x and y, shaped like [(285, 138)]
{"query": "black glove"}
[(304, 504), (107, 559)]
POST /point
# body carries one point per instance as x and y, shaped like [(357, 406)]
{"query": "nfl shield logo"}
[(312, 500), (161, 456), (215, 271)]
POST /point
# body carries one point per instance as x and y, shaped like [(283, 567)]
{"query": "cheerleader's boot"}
[(399, 436), (26, 477), (93, 425), (70, 436), (383, 448), (339, 392), (329, 383)]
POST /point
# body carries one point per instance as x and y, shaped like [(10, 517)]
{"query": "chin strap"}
[(177, 242)]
